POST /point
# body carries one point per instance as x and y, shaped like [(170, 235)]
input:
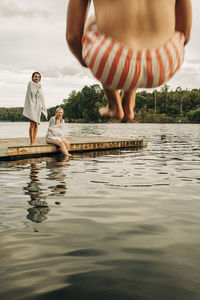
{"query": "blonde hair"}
[(59, 108)]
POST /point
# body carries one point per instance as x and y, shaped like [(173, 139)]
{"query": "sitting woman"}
[(55, 134)]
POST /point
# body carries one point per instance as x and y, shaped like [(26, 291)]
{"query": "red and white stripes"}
[(118, 67)]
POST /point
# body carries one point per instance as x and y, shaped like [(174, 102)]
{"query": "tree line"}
[(156, 106)]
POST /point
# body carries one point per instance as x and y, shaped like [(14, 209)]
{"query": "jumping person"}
[(34, 106), (129, 45)]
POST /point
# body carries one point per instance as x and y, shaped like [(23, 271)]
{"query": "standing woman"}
[(34, 105), (55, 134)]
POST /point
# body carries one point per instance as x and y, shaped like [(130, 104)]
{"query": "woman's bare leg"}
[(32, 132), (35, 133), (62, 146), (114, 108), (31, 129), (66, 143), (128, 103)]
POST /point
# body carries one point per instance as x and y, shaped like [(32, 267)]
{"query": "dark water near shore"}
[(107, 225)]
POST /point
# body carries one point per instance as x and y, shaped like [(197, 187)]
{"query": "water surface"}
[(105, 225)]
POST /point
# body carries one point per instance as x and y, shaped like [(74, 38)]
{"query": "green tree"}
[(84, 104), (194, 116)]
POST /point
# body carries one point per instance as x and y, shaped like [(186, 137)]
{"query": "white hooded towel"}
[(34, 102)]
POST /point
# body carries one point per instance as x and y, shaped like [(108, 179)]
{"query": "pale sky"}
[(32, 38)]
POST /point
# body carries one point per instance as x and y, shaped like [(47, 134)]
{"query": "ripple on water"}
[(106, 225)]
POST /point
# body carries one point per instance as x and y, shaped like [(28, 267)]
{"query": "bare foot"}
[(106, 112), (129, 113), (65, 158), (114, 108), (33, 144), (66, 154)]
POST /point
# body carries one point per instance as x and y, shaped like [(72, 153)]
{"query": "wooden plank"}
[(3, 151), (21, 147)]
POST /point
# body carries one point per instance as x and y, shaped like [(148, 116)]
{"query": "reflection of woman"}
[(55, 134), (39, 207), (34, 105), (57, 175)]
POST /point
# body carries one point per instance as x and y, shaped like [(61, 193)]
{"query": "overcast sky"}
[(32, 37)]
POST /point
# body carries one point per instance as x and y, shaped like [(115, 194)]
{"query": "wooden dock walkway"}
[(20, 147)]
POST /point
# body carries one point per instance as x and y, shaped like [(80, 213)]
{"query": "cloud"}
[(33, 38), (187, 78), (12, 10), (57, 84), (70, 70), (193, 61)]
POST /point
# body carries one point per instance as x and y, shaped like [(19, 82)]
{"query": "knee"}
[(66, 141), (60, 144), (65, 144)]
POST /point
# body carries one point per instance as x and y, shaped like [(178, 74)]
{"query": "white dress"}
[(34, 104), (55, 131)]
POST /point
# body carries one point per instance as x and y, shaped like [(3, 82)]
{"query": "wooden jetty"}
[(20, 147)]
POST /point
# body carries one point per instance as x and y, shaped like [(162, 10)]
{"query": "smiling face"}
[(59, 114), (36, 77)]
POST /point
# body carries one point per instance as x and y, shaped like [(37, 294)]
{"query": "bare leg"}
[(31, 130), (35, 133), (62, 146), (32, 133), (129, 104), (66, 143), (114, 108)]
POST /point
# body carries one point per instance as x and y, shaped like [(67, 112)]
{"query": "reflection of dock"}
[(11, 148)]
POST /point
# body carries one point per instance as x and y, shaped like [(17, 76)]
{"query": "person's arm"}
[(76, 15), (184, 18)]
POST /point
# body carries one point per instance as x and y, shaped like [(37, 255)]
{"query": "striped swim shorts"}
[(118, 67)]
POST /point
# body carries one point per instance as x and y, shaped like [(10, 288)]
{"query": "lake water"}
[(108, 225)]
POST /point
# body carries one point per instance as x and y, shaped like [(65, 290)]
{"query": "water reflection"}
[(39, 207), (58, 175), (38, 191), (129, 231)]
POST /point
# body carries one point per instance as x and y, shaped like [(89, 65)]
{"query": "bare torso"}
[(137, 24)]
